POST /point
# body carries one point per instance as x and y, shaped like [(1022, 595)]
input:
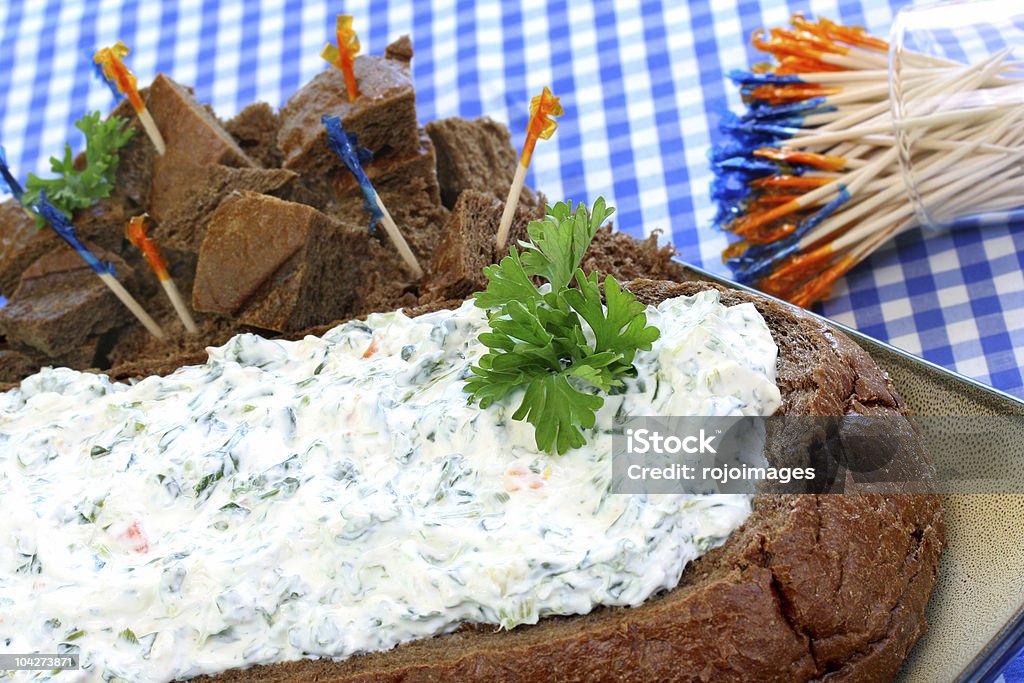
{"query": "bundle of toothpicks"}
[(810, 177)]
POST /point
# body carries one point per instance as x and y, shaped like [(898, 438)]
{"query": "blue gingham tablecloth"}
[(642, 85)]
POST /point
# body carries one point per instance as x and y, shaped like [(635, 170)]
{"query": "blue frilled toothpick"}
[(66, 231), (347, 147)]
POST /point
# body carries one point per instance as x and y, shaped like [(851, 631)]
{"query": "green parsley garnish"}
[(561, 344), (76, 189)]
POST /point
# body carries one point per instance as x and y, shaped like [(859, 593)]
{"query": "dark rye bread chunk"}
[(383, 116), (184, 226), (313, 190), (59, 304), (103, 223), (473, 155), (467, 244), (811, 587), (15, 365), (268, 262), (194, 138), (255, 130), (20, 244), (134, 342), (386, 283), (135, 159), (83, 356), (626, 258), (400, 50), (408, 188), (393, 173), (417, 214)]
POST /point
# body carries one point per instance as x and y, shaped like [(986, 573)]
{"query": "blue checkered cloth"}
[(643, 86)]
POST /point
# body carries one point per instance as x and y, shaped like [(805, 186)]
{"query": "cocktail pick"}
[(347, 147), (343, 55), (542, 108), (111, 60), (810, 177), (101, 76), (12, 183), (66, 231), (136, 233)]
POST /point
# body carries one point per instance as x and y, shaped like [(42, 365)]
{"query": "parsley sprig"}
[(76, 189), (562, 344)]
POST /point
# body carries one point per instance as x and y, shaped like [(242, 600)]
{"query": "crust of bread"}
[(811, 587)]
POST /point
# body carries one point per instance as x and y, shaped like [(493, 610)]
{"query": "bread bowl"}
[(809, 587)]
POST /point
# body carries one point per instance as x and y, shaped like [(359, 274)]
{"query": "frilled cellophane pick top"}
[(337, 495)]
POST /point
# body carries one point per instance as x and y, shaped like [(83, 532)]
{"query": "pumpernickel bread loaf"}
[(811, 587)]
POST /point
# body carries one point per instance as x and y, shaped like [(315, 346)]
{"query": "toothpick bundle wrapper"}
[(66, 231), (343, 55), (543, 109), (811, 176), (135, 231), (111, 62), (346, 146)]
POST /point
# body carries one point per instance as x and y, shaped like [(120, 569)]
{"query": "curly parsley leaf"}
[(561, 345), (559, 241), (74, 188), (620, 325), (506, 281), (557, 410)]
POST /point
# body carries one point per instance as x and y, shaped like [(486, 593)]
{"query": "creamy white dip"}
[(338, 495)]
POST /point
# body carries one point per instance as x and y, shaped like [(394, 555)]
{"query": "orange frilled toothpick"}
[(344, 54), (111, 60), (542, 108), (135, 231)]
